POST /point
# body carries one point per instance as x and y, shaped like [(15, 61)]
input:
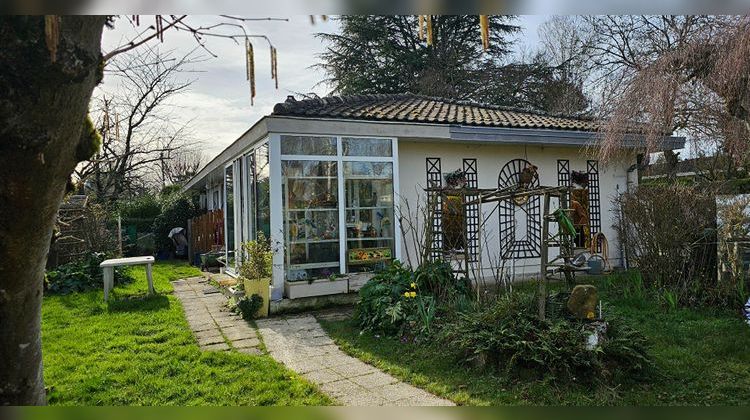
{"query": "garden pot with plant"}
[(255, 271)]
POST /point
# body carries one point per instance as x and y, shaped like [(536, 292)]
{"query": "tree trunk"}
[(45, 86)]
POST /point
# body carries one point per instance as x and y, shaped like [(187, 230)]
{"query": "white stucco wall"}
[(490, 160)]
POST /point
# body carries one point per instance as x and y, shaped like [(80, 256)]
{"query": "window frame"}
[(340, 160)]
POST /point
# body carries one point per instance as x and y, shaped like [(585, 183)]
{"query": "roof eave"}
[(550, 137), (256, 132)]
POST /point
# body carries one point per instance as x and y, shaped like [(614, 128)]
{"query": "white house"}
[(327, 179)]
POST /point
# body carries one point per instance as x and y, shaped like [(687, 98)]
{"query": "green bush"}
[(401, 302), (140, 211), (80, 275), (257, 258), (507, 336), (248, 306), (176, 209), (669, 233)]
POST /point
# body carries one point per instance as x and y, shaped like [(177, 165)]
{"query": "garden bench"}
[(108, 266)]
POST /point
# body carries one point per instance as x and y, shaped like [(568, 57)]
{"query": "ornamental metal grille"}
[(563, 173), (595, 217), (529, 245), (435, 208), (471, 210), (563, 180)]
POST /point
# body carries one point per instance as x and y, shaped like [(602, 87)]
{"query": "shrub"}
[(506, 335), (402, 302), (248, 306), (176, 209), (81, 275), (257, 259), (669, 233), (140, 211)]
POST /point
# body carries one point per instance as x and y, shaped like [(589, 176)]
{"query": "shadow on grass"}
[(138, 303)]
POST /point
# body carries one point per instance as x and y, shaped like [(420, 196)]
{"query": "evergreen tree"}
[(385, 54)]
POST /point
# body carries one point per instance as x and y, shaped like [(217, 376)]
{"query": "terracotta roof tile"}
[(411, 108)]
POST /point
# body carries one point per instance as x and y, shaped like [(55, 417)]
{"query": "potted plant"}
[(255, 271)]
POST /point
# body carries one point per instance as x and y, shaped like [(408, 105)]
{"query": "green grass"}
[(703, 358), (138, 350)]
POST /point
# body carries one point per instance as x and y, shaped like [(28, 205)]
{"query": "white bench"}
[(109, 271)]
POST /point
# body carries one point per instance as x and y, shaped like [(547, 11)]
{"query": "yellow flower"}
[(406, 294), (413, 294), (413, 285), (590, 315)]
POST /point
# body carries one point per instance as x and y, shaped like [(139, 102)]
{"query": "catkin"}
[(429, 30), (275, 66), (421, 27), (484, 25), (250, 62), (158, 28)]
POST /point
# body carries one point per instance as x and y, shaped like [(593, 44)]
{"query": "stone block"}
[(582, 301)]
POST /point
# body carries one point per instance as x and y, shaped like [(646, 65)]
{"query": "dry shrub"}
[(669, 233)]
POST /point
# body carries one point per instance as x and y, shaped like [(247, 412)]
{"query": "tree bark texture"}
[(48, 70)]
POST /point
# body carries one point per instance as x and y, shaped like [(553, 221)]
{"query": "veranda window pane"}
[(229, 214), (308, 145), (311, 219), (369, 214), (354, 146), (263, 191)]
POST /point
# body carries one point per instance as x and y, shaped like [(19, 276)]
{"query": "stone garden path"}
[(298, 342), (214, 326)]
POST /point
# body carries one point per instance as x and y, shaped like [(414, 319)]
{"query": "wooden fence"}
[(206, 232)]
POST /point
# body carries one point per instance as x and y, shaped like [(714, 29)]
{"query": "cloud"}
[(218, 102)]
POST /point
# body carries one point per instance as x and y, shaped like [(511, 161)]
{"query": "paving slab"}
[(248, 342), (215, 327), (302, 345)]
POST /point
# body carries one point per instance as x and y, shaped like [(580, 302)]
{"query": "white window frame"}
[(340, 159)]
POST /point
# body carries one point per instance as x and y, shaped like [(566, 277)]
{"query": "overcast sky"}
[(218, 103)]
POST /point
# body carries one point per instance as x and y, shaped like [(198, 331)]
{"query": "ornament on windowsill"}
[(455, 179), (580, 178)]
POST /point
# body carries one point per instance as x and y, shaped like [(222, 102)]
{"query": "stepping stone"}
[(374, 380), (211, 290), (214, 339), (215, 347), (250, 350), (322, 376), (214, 332), (352, 369), (250, 342)]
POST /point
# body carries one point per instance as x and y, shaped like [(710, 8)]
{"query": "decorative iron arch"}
[(529, 245)]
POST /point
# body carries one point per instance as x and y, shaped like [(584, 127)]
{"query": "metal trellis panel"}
[(530, 245), (435, 208), (471, 210), (595, 217)]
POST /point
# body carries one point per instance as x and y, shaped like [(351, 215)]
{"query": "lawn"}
[(140, 351), (702, 358)]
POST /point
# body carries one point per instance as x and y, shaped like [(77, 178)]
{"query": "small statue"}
[(527, 176)]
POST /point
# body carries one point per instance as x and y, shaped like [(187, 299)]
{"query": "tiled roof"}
[(423, 109)]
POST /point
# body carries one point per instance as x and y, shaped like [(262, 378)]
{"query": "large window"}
[(311, 218), (229, 213), (262, 198), (369, 214), (338, 201)]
